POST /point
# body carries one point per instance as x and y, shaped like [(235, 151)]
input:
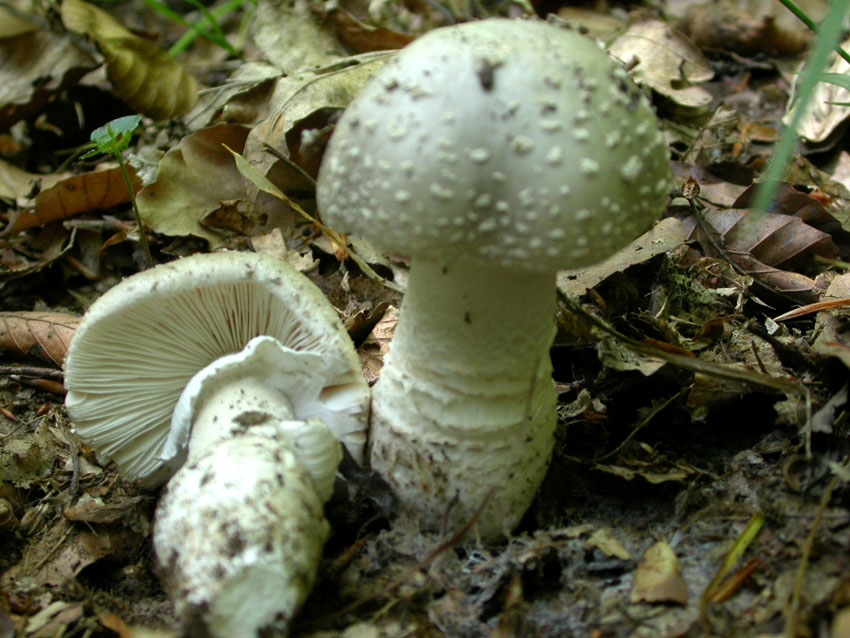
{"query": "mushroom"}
[(233, 370), (491, 153)]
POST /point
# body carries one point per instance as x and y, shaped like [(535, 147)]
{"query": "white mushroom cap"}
[(142, 342), (513, 142)]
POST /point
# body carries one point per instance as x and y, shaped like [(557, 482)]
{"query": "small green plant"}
[(113, 138)]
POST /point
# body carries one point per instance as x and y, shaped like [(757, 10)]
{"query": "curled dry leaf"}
[(43, 334), (71, 196), (666, 61), (147, 79), (143, 75), (658, 578)]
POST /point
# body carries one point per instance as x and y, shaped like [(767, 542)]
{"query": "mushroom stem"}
[(240, 528), (466, 403), (238, 402)]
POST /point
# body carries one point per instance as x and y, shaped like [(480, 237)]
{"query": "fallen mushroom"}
[(235, 369), (492, 153)]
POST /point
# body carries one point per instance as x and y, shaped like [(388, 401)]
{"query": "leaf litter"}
[(699, 484)]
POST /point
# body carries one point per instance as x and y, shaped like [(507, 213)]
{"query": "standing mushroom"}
[(235, 369), (492, 153)]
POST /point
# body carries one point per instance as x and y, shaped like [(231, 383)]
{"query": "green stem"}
[(143, 238), (802, 17)]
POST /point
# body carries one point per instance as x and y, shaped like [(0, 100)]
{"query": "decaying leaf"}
[(603, 540), (17, 185), (66, 549), (376, 346), (195, 178), (42, 334), (666, 61), (287, 147), (828, 107), (147, 79), (832, 333), (291, 38), (666, 235), (53, 619), (658, 578), (765, 246), (97, 190), (361, 37), (142, 74), (33, 68), (746, 26)]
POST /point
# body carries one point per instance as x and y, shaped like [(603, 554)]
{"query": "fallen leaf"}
[(53, 620), (195, 178), (604, 541), (376, 346), (361, 37), (290, 37), (34, 67), (658, 578), (827, 108), (747, 26), (42, 334), (96, 190), (142, 74), (65, 550), (666, 235), (666, 61)]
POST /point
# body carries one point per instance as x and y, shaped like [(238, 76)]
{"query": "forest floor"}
[(699, 484)]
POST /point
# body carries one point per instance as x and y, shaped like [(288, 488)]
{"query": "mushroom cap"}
[(140, 344), (513, 142)]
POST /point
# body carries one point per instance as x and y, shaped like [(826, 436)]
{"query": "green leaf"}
[(838, 79), (114, 137)]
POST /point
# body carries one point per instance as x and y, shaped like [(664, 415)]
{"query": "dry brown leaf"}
[(42, 334), (666, 235), (746, 26), (603, 540), (825, 111), (376, 346), (658, 578), (195, 178), (147, 79), (33, 68), (97, 190), (831, 331), (81, 17), (781, 241), (143, 75), (65, 550), (766, 245), (666, 61), (361, 37)]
